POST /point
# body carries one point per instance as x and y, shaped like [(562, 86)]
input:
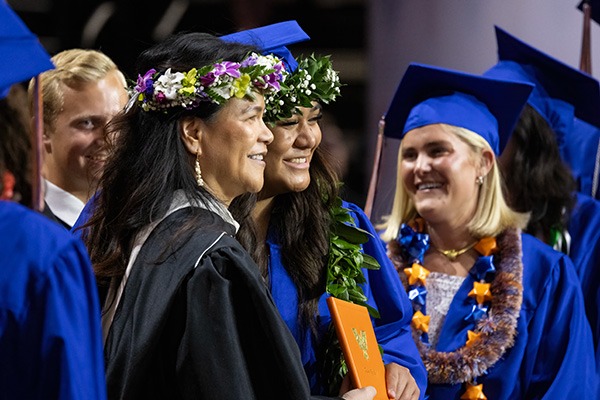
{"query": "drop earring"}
[(197, 170)]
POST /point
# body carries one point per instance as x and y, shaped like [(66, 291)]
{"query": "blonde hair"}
[(73, 68), (492, 215)]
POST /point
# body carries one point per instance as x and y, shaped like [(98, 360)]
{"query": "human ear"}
[(46, 142), (191, 134), (487, 161)]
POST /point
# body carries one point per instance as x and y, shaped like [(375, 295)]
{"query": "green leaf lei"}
[(344, 275)]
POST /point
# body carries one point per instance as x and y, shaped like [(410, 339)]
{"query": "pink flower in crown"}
[(144, 83), (227, 68), (160, 97)]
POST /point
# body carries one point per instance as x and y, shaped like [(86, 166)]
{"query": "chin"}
[(254, 187), (429, 212)]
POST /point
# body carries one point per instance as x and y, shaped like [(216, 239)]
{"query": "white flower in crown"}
[(313, 80), (223, 91), (169, 84)]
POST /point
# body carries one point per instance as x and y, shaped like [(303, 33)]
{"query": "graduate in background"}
[(497, 313), (50, 337), (537, 179), (81, 95), (302, 235)]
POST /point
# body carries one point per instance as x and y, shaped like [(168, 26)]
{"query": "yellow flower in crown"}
[(215, 83), (240, 85), (188, 82)]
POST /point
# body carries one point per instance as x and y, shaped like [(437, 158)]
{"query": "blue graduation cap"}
[(595, 4), (568, 99), (21, 54), (428, 95), (273, 39), (552, 78)]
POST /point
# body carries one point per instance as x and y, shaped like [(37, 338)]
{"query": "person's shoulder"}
[(37, 250), (224, 254), (543, 265), (352, 207), (543, 269), (31, 231), (356, 212), (535, 249), (586, 206)]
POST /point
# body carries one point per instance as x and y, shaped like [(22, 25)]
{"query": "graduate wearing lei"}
[(497, 314), (311, 245)]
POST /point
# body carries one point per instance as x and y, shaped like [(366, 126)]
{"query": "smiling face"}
[(74, 144), (232, 148), (439, 173), (290, 153)]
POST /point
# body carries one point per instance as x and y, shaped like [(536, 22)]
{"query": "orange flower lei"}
[(493, 334)]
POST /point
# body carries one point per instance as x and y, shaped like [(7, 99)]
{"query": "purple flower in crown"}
[(249, 61), (227, 68), (279, 67), (272, 80), (208, 79), (145, 83)]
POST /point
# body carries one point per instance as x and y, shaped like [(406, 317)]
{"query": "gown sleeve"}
[(71, 322), (584, 227), (385, 292), (51, 347), (559, 350), (235, 344)]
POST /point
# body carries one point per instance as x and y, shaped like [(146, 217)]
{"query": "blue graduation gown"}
[(552, 357), (584, 228), (50, 336), (580, 150), (384, 292)]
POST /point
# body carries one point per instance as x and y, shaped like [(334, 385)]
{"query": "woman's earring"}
[(199, 179), (479, 180)]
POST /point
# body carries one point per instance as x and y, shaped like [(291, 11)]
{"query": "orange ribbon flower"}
[(417, 273), (420, 321), (481, 292)]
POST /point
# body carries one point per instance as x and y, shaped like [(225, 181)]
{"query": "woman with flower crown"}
[(187, 315), (497, 313), (310, 245)]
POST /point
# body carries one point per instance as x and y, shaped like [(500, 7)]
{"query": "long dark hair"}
[(302, 224), (15, 144), (537, 180), (148, 160)]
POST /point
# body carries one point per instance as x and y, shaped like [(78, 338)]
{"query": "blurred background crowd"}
[(371, 43)]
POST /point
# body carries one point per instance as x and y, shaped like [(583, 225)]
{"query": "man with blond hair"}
[(80, 96)]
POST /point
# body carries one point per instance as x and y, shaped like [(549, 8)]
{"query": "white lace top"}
[(441, 289)]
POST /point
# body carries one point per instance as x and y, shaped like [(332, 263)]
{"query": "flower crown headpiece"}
[(313, 80), (215, 83)]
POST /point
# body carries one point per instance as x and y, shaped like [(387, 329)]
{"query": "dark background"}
[(123, 28)]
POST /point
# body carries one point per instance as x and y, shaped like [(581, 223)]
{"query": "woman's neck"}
[(262, 216), (445, 236)]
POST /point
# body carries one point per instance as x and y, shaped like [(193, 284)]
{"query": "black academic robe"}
[(201, 324)]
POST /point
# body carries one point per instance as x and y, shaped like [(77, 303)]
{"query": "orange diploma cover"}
[(359, 345)]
